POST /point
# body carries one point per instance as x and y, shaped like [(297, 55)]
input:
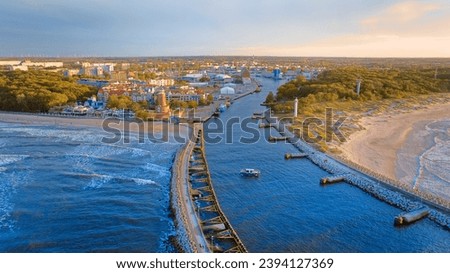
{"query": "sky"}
[(322, 28)]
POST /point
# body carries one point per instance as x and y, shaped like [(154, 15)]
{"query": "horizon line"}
[(215, 56)]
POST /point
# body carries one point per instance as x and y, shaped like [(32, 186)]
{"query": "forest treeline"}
[(339, 85), (38, 91)]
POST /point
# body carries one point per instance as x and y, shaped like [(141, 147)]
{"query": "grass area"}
[(353, 111), (354, 92)]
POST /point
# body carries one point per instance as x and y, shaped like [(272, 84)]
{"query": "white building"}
[(162, 82), (17, 67), (192, 77), (6, 63), (232, 85), (70, 72), (223, 78), (227, 91), (43, 64), (185, 97)]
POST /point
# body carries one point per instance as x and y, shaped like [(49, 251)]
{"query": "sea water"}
[(432, 165), (287, 210), (64, 190)]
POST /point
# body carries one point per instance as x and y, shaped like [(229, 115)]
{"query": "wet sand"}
[(376, 146), (110, 125)]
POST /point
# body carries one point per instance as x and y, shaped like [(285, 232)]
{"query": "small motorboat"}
[(250, 172)]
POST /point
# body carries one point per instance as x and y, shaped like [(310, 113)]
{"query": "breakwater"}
[(200, 222), (220, 235), (374, 184), (185, 238)]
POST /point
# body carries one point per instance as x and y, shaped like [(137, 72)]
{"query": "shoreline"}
[(391, 144), (189, 234), (91, 122), (378, 186)]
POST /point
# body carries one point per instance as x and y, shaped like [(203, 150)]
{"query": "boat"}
[(250, 172), (222, 108)]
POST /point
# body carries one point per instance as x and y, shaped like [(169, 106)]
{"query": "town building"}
[(192, 77), (227, 91)]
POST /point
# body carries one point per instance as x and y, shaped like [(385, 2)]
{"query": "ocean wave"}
[(160, 170), (434, 169), (434, 163), (141, 181), (78, 135), (437, 160), (6, 159), (5, 221), (6, 207), (98, 180)]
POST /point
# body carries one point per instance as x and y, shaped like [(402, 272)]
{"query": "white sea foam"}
[(140, 181), (437, 160), (59, 134), (6, 206), (433, 172), (98, 180), (162, 171), (6, 159), (434, 169)]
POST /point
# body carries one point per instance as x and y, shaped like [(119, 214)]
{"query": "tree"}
[(192, 104), (204, 79), (270, 98), (36, 91), (119, 102), (143, 104), (142, 114), (174, 104), (210, 98), (203, 102), (113, 102)]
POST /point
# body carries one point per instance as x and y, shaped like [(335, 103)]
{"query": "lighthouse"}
[(295, 107), (358, 86), (161, 103)]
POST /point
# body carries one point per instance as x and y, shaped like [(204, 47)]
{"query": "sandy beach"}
[(110, 125), (391, 144)]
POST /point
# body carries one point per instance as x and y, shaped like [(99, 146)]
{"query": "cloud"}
[(401, 15), (405, 29), (198, 27), (362, 46)]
